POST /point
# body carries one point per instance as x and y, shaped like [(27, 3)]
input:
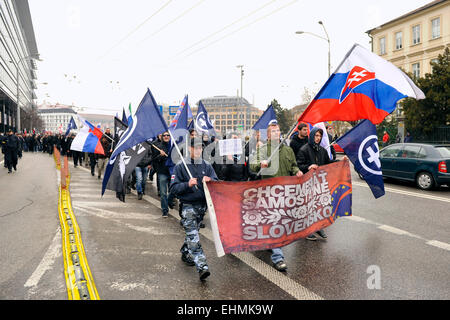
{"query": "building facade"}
[(414, 40), (230, 113), (56, 118), (17, 47), (226, 113)]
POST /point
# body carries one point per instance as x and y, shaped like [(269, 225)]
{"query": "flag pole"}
[(181, 156), (278, 147)]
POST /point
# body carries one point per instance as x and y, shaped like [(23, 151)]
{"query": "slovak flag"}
[(88, 139), (364, 86)]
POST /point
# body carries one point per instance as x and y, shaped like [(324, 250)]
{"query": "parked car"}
[(428, 165)]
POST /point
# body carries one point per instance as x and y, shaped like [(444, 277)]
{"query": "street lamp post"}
[(35, 57), (242, 76), (326, 39)]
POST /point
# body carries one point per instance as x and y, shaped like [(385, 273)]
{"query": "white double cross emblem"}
[(374, 155)]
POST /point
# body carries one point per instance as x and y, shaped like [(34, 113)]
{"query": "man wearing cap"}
[(192, 196), (282, 163)]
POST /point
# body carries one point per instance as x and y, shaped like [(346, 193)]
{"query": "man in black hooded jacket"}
[(310, 157), (300, 138)]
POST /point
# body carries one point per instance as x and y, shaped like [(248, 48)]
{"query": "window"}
[(416, 70), (444, 151), (398, 40), (422, 153), (416, 34), (411, 152), (391, 152), (382, 46), (435, 28)]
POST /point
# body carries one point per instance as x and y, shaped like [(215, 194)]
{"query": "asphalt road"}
[(401, 240)]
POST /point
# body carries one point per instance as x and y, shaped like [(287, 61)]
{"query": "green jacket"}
[(287, 164)]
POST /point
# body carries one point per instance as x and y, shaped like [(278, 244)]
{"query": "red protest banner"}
[(270, 213)]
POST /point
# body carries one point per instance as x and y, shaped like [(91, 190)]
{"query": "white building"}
[(56, 118)]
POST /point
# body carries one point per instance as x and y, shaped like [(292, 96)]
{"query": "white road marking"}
[(279, 279), (384, 227), (285, 283), (439, 244), (394, 230), (407, 193), (53, 252)]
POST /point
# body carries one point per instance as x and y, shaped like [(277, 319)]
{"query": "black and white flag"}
[(125, 162)]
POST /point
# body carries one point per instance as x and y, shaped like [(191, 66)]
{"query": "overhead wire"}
[(243, 27), (135, 29), (226, 27), (175, 19)]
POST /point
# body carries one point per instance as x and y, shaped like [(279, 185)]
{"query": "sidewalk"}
[(29, 227)]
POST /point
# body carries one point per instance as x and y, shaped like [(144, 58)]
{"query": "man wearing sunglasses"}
[(159, 158)]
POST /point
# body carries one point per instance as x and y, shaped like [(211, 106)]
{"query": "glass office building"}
[(17, 68)]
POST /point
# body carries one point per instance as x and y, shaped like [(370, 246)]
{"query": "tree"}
[(282, 116), (422, 116)]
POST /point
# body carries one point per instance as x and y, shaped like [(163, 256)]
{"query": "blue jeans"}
[(166, 197), (141, 178), (277, 255)]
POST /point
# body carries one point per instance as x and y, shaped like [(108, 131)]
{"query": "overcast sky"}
[(103, 54)]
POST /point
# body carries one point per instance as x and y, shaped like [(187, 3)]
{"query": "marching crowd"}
[(303, 153), (14, 144)]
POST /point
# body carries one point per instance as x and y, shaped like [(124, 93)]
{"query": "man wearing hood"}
[(310, 157)]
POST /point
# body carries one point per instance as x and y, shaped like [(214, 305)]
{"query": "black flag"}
[(125, 162)]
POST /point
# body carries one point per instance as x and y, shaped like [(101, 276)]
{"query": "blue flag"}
[(263, 122), (179, 131), (361, 146), (202, 122), (72, 125), (124, 117), (178, 113), (147, 123)]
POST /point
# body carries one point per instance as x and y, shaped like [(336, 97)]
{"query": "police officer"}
[(192, 196), (12, 150)]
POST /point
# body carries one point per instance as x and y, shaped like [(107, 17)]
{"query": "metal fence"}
[(438, 135)]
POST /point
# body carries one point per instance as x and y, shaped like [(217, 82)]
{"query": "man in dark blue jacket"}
[(191, 194)]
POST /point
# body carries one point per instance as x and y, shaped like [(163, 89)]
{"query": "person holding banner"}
[(310, 157), (187, 186), (285, 166)]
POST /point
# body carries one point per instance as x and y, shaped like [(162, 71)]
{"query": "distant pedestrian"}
[(103, 159), (159, 158), (12, 150), (408, 137), (141, 171), (398, 139), (385, 139)]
